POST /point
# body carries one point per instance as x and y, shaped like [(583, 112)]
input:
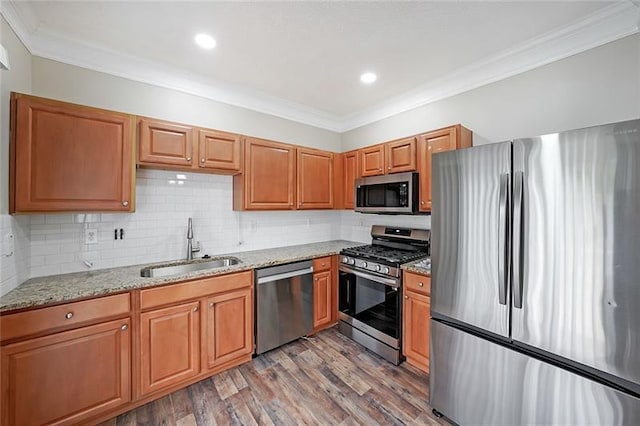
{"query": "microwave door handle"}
[(503, 235)]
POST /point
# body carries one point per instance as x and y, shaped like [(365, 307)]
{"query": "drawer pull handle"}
[(188, 158), (69, 315), (406, 297), (421, 284), (211, 305), (124, 327), (195, 309), (125, 203)]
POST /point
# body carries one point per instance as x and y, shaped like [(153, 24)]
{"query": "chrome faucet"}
[(190, 248)]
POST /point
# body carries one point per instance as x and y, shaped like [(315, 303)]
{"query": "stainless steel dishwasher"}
[(284, 304)]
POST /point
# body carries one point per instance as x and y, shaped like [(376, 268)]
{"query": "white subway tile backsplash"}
[(157, 230)]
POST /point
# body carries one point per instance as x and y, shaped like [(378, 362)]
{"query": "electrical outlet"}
[(90, 236), (7, 245), (254, 226)]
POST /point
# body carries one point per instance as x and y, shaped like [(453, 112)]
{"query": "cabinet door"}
[(315, 179), (229, 330), (170, 346), (269, 181), (429, 144), (351, 173), (162, 142), (401, 155), (321, 299), (67, 377), (415, 329), (218, 150), (66, 157), (372, 160)]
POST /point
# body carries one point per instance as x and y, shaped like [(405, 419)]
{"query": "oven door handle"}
[(386, 281)]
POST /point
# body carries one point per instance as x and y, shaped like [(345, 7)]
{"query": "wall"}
[(598, 86), (56, 80), (14, 268)]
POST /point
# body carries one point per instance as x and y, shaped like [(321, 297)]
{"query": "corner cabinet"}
[(66, 377), (416, 314), (67, 157), (447, 139)]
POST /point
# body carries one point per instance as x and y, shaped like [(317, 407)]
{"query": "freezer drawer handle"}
[(518, 229), (503, 235)]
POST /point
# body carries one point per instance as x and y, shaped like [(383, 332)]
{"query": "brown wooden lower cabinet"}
[(67, 377), (169, 346), (229, 330), (321, 299), (416, 315)]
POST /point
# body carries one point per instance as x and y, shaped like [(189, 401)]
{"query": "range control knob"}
[(364, 264), (378, 268), (385, 270), (352, 261), (345, 259)]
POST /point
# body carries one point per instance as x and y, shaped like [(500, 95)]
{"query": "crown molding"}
[(606, 25)]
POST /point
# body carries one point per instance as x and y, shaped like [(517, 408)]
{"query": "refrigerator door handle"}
[(518, 228), (503, 235)]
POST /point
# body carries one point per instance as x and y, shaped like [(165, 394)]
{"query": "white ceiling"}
[(302, 60)]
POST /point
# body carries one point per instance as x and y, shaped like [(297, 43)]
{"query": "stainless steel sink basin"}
[(187, 266)]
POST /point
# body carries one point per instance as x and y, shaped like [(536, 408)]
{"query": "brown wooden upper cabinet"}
[(182, 147), (400, 155), (372, 160), (447, 139), (67, 157), (268, 181), (315, 179), (351, 171)]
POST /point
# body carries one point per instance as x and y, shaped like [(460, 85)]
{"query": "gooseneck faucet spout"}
[(190, 240)]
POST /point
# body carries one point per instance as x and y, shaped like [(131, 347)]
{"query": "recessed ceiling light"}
[(368, 77), (205, 41)]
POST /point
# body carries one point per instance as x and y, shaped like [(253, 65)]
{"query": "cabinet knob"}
[(124, 327), (300, 204), (290, 204), (69, 315), (324, 264), (195, 309), (202, 160), (421, 284), (380, 169), (389, 167), (125, 203), (211, 305), (421, 202), (188, 158), (406, 297)]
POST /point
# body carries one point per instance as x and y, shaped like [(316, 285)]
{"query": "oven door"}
[(371, 304)]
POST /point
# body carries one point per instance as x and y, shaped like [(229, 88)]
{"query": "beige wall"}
[(15, 268), (598, 86), (56, 80)]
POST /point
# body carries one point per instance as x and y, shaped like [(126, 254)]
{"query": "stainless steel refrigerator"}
[(535, 297)]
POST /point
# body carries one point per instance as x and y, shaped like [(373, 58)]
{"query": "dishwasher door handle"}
[(277, 277)]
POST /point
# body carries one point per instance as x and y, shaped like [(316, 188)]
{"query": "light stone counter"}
[(417, 268), (80, 285)]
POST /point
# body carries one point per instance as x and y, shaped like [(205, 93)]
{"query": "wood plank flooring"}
[(325, 380)]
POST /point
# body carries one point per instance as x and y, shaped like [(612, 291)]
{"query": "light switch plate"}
[(7, 245), (90, 236)]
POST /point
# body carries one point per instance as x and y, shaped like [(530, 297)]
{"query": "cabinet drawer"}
[(322, 264), (194, 289), (40, 320), (418, 283)]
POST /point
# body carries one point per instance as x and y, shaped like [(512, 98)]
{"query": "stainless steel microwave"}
[(388, 194)]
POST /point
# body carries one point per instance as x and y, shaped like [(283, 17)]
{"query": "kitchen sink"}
[(176, 268)]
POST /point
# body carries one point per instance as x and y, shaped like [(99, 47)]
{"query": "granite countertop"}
[(418, 267), (80, 285)]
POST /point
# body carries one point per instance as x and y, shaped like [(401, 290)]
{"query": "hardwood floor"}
[(324, 380)]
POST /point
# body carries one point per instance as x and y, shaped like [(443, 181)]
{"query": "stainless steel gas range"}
[(370, 288)]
